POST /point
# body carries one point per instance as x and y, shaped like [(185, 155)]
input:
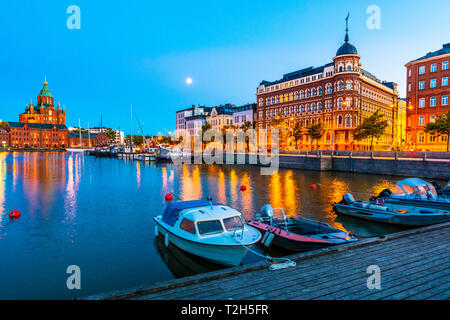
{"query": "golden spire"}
[(45, 79)]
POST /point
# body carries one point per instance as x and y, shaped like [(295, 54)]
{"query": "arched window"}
[(339, 120), (307, 108), (340, 85), (319, 91), (329, 89), (296, 95), (348, 102), (341, 68), (349, 67), (302, 94), (313, 107), (319, 106), (340, 102), (348, 121), (308, 93), (302, 108), (313, 92), (348, 85)]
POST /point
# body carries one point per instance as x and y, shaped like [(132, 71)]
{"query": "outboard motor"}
[(348, 198), (385, 193), (266, 214)]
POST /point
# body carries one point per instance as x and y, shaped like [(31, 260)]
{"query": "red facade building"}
[(40, 126), (427, 92), (339, 94)]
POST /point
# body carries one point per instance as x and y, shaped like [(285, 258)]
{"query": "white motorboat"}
[(415, 192), (78, 149), (206, 229)]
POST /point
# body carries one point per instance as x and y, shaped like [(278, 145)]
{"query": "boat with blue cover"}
[(416, 192), (207, 229)]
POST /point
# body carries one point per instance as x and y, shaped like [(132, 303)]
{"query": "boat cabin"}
[(202, 218)]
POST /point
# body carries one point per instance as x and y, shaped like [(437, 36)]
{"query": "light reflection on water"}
[(98, 213)]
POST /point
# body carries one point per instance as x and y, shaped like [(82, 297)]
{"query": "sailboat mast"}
[(131, 124), (143, 135), (79, 126), (89, 136)]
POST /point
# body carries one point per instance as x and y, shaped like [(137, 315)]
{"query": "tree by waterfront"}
[(371, 127), (111, 133), (315, 132), (440, 127), (297, 132)]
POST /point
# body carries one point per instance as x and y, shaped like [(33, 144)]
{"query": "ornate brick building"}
[(40, 126), (427, 97), (339, 94)]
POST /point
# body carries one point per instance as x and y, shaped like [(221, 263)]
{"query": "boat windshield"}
[(209, 227), (231, 223)]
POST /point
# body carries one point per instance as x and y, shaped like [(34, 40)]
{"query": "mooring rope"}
[(275, 266)]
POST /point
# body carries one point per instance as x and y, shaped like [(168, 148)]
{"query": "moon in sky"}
[(189, 80)]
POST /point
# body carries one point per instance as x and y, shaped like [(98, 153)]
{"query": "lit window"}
[(422, 103), (433, 102), (432, 118), (421, 120), (433, 83), (421, 85)]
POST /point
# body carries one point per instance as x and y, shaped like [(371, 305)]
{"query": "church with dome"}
[(41, 126), (339, 95)]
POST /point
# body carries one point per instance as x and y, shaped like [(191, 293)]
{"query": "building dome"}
[(346, 48)]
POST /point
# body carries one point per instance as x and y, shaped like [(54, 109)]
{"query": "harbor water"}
[(97, 213)]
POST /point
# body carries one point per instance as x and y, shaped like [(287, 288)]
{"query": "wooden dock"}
[(414, 264)]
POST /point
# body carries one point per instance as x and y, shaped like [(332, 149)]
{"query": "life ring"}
[(14, 214)]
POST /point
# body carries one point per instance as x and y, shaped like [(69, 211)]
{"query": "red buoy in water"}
[(243, 188), (313, 186), (14, 214), (169, 197)]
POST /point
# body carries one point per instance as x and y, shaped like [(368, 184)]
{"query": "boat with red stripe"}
[(296, 233)]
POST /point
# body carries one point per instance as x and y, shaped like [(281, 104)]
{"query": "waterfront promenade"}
[(414, 265)]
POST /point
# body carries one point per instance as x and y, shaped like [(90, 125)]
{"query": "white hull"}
[(228, 255), (76, 150)]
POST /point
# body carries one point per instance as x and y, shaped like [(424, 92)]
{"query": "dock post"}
[(424, 158), (396, 155)]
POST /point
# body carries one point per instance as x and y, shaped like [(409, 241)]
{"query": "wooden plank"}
[(311, 263), (343, 278), (237, 281), (353, 290), (410, 281), (329, 268), (317, 277), (388, 250)]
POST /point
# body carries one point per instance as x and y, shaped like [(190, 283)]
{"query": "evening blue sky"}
[(141, 52)]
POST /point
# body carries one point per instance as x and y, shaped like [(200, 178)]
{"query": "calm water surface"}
[(97, 214)]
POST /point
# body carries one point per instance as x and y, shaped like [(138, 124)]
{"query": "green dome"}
[(45, 91)]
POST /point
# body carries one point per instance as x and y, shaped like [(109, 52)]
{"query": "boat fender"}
[(14, 214), (156, 231), (269, 239), (166, 240)]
